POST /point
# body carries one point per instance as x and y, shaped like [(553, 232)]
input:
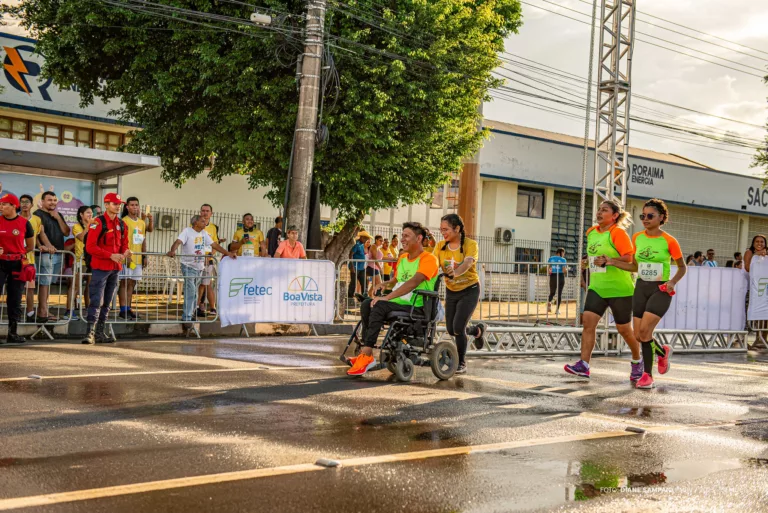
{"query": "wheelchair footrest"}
[(344, 359), (423, 362)]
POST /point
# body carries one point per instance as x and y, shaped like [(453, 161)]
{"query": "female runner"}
[(458, 258), (654, 248), (609, 286)]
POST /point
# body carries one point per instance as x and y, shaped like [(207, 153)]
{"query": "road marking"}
[(609, 372), (191, 371), (186, 482), (519, 406)]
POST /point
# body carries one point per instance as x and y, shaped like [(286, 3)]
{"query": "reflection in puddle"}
[(596, 479), (644, 412)]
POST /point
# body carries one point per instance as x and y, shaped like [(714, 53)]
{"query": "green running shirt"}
[(609, 281), (653, 255)]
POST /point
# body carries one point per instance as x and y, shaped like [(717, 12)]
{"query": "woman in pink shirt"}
[(374, 256), (291, 247)]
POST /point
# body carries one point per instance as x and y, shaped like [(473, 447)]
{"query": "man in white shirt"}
[(193, 241)]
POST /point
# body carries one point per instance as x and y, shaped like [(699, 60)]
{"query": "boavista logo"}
[(237, 285), (303, 289)]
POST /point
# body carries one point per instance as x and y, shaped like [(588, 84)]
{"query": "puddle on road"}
[(590, 480)]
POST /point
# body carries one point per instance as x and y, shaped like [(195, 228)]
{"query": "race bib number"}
[(248, 252), (650, 272), (408, 296), (138, 238), (593, 268)]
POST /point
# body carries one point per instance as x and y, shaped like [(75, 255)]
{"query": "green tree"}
[(761, 157), (411, 75)]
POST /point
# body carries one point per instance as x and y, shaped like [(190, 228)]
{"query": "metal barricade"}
[(51, 293), (158, 291), (760, 330), (512, 293)]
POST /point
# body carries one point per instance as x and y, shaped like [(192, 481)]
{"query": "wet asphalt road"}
[(246, 419)]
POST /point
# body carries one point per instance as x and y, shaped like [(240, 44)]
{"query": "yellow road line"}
[(528, 387), (516, 406), (185, 482), (191, 371)]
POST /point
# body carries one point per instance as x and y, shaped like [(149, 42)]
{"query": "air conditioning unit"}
[(505, 235), (169, 222)]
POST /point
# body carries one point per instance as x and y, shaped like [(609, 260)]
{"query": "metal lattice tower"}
[(617, 34)]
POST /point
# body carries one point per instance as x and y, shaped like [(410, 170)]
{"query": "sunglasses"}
[(643, 217)]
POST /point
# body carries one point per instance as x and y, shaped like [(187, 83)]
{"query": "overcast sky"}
[(564, 43), (677, 79)]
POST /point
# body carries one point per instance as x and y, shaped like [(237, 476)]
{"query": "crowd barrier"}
[(512, 293), (60, 298), (158, 296)]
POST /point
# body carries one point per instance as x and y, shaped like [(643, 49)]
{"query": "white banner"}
[(758, 289), (276, 290), (708, 298)]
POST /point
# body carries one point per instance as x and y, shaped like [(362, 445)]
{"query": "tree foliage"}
[(761, 157), (412, 74)]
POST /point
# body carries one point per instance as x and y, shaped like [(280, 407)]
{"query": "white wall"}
[(499, 209), (232, 195)]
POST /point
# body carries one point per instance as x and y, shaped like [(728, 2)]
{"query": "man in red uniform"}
[(16, 235), (107, 243)]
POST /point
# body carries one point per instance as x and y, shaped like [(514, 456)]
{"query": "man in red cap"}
[(16, 235), (107, 243)]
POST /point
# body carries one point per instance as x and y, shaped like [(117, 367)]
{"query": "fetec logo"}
[(16, 70), (762, 286), (303, 289), (236, 285)]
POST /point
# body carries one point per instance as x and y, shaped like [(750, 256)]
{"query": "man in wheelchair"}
[(416, 270)]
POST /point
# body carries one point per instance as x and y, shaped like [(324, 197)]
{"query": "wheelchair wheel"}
[(386, 358), (404, 370), (444, 360)]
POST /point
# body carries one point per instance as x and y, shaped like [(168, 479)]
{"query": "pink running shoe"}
[(646, 382), (663, 361)]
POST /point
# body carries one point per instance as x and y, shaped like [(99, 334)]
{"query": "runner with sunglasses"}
[(610, 286), (654, 248)]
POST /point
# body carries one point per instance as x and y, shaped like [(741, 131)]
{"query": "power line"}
[(657, 45)]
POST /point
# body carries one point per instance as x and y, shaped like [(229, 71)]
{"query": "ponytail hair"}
[(624, 219), (456, 221)]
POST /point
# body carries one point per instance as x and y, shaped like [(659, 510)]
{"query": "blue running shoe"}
[(579, 369), (637, 371)]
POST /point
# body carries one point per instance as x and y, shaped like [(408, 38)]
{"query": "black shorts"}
[(371, 272), (621, 307), (648, 298)]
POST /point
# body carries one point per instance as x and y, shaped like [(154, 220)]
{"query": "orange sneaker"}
[(352, 360), (363, 364)]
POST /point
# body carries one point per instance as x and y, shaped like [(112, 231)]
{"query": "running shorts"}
[(621, 307), (648, 298)]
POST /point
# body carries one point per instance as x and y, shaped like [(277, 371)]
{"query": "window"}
[(77, 137), (528, 255), (13, 129), (107, 140), (451, 193), (530, 202), (44, 133)]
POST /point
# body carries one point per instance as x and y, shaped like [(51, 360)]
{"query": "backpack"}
[(103, 220)]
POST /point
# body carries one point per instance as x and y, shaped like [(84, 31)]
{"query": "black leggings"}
[(556, 283), (459, 307)]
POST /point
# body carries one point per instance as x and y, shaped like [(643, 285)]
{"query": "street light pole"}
[(297, 212)]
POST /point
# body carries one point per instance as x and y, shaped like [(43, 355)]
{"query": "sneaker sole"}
[(647, 387)]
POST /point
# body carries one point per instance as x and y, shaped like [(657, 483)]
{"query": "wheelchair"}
[(409, 341)]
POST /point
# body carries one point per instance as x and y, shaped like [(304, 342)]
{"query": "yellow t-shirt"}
[(389, 253), (446, 256), (37, 226), (213, 231), (252, 245), (79, 245), (137, 231)]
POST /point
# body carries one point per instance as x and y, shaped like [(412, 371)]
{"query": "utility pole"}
[(297, 212)]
